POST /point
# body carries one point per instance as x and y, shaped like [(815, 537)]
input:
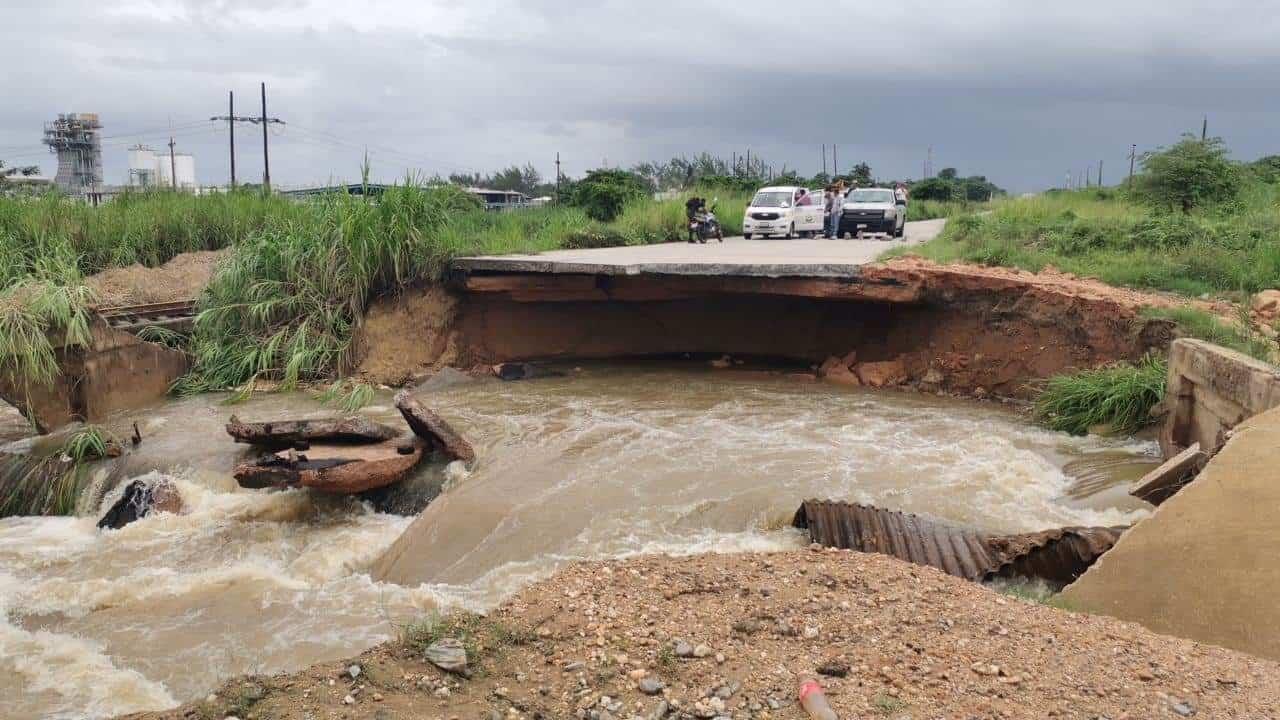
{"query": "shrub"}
[(604, 193), (1119, 397), (1191, 173)]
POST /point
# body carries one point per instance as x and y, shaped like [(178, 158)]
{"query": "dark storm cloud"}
[(1019, 92)]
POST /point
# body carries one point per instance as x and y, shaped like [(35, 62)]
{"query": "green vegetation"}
[(1119, 397), (38, 485), (480, 636), (1202, 325), (88, 443), (1192, 173), (349, 395), (604, 193), (886, 704), (1131, 239)]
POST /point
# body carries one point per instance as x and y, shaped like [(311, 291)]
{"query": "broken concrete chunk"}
[(449, 655), (288, 433), (524, 371), (340, 469), (433, 430), (1162, 483)]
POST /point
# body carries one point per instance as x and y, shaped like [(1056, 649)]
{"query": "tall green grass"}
[(285, 304), (1119, 397), (1196, 323), (1226, 248)]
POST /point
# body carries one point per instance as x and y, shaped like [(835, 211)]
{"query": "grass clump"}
[(89, 443), (1202, 325), (886, 704), (480, 636), (348, 395), (1119, 397)]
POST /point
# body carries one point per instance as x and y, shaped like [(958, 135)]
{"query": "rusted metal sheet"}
[(1058, 555)]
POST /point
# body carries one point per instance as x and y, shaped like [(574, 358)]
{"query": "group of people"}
[(833, 204)]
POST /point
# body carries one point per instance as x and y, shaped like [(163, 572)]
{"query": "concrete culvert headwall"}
[(939, 328)]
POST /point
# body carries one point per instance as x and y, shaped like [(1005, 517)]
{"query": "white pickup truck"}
[(872, 210), (784, 210)]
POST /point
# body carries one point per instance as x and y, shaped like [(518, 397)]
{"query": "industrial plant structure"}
[(75, 139), (151, 169)]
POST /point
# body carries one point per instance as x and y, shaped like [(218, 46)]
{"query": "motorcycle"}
[(705, 226)]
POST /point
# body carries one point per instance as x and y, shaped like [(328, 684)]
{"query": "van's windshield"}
[(772, 199), (870, 196)]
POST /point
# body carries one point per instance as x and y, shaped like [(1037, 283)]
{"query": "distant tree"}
[(935, 188), (6, 186), (1189, 174), (604, 193), (1267, 168), (861, 175), (948, 173)]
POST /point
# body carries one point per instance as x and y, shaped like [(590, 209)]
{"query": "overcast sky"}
[(1018, 90)]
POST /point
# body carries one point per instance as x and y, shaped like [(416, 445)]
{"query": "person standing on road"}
[(828, 204), (836, 207), (900, 195)]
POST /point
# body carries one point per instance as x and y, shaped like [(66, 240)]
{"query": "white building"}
[(151, 169)]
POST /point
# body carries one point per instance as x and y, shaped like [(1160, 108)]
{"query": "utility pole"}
[(557, 178), (231, 130), (1133, 154), (262, 120), (748, 160), (1204, 129), (824, 158), (173, 166), (266, 158), (1099, 173), (835, 161)]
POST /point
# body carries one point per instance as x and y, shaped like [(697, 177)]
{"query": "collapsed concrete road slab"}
[(1204, 565), (278, 435), (1162, 483), (434, 430), (1058, 556), (336, 469)]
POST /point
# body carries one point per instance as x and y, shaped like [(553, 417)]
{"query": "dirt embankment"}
[(729, 636), (955, 328), (182, 278)]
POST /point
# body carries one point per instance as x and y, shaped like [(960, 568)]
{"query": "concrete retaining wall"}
[(1205, 565), (1211, 390)]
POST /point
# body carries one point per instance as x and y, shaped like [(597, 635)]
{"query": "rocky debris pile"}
[(848, 371), (724, 636), (345, 455)]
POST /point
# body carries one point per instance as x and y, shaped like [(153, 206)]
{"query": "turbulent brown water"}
[(611, 461)]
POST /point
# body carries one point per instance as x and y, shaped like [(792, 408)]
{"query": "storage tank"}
[(142, 167), (184, 164)]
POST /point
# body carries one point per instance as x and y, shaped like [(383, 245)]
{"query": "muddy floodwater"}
[(610, 461)]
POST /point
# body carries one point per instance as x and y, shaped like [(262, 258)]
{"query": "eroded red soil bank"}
[(954, 328)]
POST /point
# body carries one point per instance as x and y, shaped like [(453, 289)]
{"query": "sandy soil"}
[(730, 636), (182, 278)]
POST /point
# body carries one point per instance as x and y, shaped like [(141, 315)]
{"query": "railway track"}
[(177, 316)]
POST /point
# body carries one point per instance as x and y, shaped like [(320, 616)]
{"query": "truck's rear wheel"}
[(746, 236)]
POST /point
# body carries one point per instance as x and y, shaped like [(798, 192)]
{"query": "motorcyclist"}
[(693, 209)]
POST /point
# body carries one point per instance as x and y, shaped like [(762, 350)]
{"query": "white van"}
[(784, 210)]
